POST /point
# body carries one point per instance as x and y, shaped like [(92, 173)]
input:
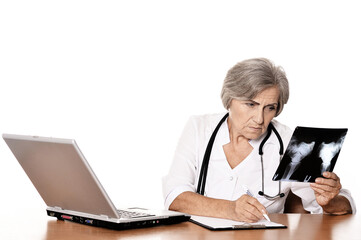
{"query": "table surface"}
[(299, 226)]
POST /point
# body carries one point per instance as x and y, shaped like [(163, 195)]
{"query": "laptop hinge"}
[(58, 208), (104, 216)]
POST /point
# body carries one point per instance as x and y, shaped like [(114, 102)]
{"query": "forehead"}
[(270, 95)]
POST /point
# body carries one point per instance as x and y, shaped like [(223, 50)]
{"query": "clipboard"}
[(217, 224)]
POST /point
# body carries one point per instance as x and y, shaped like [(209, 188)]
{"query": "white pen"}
[(250, 194)]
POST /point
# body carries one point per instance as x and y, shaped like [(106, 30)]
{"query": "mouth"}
[(256, 128)]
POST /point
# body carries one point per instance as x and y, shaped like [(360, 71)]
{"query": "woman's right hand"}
[(248, 209)]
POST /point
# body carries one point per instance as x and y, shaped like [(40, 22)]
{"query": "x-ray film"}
[(310, 152)]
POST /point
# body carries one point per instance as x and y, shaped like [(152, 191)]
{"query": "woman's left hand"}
[(326, 188)]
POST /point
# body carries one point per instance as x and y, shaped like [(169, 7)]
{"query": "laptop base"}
[(118, 226)]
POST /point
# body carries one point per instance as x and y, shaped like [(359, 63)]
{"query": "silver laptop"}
[(70, 188)]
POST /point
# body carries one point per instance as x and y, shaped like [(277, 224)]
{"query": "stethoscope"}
[(207, 154)]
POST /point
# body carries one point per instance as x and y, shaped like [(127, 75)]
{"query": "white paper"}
[(220, 223)]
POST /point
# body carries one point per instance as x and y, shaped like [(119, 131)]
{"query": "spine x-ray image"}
[(310, 152)]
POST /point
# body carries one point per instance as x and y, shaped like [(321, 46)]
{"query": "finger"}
[(321, 188), (326, 185), (323, 198), (257, 208), (251, 216), (324, 194), (334, 181), (248, 207), (325, 191), (331, 175), (256, 204), (318, 189)]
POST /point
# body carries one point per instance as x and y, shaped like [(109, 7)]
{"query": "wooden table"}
[(300, 226)]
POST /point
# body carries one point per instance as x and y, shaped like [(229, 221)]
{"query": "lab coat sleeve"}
[(183, 170), (347, 194)]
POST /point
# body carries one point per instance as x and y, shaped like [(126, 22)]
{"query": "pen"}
[(250, 194)]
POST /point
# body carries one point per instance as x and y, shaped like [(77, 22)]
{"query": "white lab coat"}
[(223, 182)]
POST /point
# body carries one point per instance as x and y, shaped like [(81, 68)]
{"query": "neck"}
[(235, 136)]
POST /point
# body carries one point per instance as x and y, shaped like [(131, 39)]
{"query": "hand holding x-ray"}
[(326, 188)]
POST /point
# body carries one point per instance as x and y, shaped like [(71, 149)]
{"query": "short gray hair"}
[(248, 78)]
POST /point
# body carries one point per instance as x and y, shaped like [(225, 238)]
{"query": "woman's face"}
[(250, 118)]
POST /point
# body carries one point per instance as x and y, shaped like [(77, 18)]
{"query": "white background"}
[(123, 77)]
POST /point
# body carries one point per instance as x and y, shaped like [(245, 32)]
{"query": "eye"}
[(270, 108), (250, 104)]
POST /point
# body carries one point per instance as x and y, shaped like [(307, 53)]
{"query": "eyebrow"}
[(257, 103)]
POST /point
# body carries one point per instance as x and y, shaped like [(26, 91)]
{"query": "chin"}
[(253, 136)]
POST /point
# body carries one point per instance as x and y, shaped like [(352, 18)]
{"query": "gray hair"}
[(248, 78)]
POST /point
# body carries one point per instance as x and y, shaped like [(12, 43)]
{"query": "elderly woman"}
[(219, 157)]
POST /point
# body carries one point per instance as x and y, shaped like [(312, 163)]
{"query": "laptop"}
[(70, 188)]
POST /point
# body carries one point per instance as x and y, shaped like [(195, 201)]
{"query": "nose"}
[(259, 117)]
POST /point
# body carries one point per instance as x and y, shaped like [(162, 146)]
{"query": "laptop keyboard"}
[(130, 214)]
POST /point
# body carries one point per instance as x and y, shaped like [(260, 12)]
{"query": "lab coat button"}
[(231, 178)]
